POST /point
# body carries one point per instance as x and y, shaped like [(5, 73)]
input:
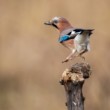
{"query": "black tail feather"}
[(90, 31)]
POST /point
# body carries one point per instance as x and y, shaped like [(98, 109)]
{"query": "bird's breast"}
[(69, 43)]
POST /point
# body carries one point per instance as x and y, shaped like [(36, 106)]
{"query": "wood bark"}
[(73, 79)]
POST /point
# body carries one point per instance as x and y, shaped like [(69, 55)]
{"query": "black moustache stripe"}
[(55, 26)]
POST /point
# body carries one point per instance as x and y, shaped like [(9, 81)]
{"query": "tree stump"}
[(73, 79)]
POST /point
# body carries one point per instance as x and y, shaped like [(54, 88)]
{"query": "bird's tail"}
[(89, 31)]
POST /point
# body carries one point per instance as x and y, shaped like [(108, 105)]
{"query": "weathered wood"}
[(73, 79)]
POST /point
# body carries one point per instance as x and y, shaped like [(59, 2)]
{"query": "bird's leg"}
[(81, 57), (81, 53), (69, 57)]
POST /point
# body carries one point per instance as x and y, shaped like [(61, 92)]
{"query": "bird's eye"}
[(55, 21)]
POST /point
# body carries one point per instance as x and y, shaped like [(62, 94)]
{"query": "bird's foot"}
[(83, 57), (66, 60)]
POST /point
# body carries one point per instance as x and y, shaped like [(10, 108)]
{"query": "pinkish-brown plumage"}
[(77, 40)]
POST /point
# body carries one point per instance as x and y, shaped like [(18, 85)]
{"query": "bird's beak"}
[(48, 23)]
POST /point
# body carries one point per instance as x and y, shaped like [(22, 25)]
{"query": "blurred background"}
[(30, 56)]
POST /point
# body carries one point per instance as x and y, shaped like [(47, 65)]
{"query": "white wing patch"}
[(73, 32)]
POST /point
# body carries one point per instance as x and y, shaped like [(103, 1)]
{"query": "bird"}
[(77, 40)]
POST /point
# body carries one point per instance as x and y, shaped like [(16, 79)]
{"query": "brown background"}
[(30, 56)]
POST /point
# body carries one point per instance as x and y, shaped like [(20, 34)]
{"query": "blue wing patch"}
[(63, 38)]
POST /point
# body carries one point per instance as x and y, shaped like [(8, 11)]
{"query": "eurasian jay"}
[(75, 39)]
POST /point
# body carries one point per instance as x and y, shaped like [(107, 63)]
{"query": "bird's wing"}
[(66, 31), (72, 34), (81, 31)]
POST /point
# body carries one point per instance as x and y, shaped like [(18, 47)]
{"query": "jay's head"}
[(60, 23)]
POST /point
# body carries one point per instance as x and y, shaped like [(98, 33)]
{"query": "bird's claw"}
[(65, 60), (83, 57)]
